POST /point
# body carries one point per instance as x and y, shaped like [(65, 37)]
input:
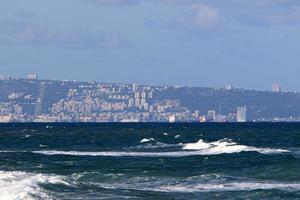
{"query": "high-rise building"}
[(276, 87), (33, 76), (137, 102), (242, 114), (134, 87), (143, 95), (211, 114), (172, 119), (130, 103), (143, 102), (229, 87), (136, 95), (196, 114), (150, 95), (88, 106)]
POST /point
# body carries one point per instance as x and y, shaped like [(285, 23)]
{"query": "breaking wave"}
[(190, 149), (227, 146), (22, 185), (145, 140), (121, 153)]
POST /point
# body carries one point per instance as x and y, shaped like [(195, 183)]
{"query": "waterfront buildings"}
[(242, 114), (33, 100), (276, 87)]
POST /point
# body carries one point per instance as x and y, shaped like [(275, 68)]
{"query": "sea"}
[(150, 161)]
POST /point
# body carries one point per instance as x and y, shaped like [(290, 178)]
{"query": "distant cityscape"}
[(33, 100)]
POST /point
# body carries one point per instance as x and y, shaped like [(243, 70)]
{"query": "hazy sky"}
[(246, 43)]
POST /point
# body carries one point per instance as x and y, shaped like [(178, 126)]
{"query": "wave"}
[(203, 183), (193, 188), (145, 140), (22, 185), (7, 151), (224, 146), (227, 146), (233, 186), (154, 145), (120, 153)]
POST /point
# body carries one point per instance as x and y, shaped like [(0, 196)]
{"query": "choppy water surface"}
[(149, 161)]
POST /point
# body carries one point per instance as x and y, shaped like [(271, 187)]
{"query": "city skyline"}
[(248, 44), (36, 100), (274, 87)]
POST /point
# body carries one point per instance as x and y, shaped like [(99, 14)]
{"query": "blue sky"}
[(246, 43)]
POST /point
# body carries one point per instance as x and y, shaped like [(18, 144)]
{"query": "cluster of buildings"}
[(212, 116), (117, 103), (102, 102), (34, 100)]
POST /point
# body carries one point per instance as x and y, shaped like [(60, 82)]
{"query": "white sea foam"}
[(233, 186), (177, 136), (207, 187), (22, 185), (189, 149), (145, 140), (6, 151), (227, 146), (120, 153), (155, 145)]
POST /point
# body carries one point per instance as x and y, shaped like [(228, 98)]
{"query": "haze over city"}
[(248, 44)]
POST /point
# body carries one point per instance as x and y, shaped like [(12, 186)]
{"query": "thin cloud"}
[(115, 2), (198, 18), (25, 33), (204, 17), (252, 12)]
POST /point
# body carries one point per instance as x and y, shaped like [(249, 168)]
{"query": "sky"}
[(245, 43)]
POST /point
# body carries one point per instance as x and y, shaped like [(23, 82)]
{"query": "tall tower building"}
[(242, 114), (211, 114), (88, 106), (228, 87), (276, 87), (134, 87)]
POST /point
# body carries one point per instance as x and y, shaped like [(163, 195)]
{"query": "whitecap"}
[(8, 151), (22, 185), (5, 151), (158, 145), (227, 146), (119, 153), (145, 140), (177, 136), (224, 146), (233, 186)]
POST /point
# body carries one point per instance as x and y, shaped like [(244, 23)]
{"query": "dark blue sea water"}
[(150, 161)]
